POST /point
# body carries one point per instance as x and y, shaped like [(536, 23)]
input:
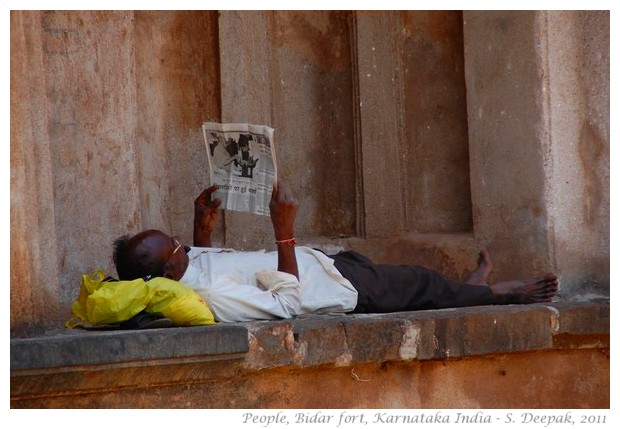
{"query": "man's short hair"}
[(132, 264)]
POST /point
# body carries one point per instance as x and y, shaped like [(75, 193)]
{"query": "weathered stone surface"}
[(495, 356), (586, 318), (78, 348), (539, 145), (292, 70), (551, 379), (317, 340), (373, 339), (577, 45), (322, 340), (372, 136), (271, 344), (485, 330), (583, 326), (106, 109)]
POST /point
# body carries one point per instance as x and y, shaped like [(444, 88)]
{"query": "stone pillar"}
[(538, 103), (91, 110), (507, 130), (380, 110), (292, 71), (74, 183), (246, 97), (577, 53), (177, 89), (34, 256)]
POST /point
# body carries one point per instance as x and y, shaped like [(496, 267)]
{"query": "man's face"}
[(177, 262)]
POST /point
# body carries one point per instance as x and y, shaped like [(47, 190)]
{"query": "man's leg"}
[(388, 288)]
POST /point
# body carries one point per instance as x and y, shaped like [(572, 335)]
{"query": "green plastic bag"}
[(104, 302)]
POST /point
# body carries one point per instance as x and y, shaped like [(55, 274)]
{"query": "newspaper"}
[(242, 162)]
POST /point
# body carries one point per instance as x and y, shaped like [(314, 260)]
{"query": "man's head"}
[(150, 253)]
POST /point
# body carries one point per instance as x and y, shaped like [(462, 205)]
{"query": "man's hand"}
[(205, 216), (283, 213)]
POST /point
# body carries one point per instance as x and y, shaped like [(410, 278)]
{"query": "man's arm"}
[(283, 212), (205, 217)]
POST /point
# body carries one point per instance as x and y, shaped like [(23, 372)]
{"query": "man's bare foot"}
[(525, 292), (480, 274)]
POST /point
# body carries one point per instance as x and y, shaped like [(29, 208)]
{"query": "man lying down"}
[(297, 280)]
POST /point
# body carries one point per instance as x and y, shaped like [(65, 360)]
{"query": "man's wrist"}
[(287, 242)]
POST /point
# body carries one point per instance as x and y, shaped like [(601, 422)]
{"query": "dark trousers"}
[(387, 288)]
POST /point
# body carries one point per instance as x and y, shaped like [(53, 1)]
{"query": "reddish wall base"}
[(576, 378)]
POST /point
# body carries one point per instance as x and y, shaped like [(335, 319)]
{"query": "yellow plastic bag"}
[(178, 302), (108, 302)]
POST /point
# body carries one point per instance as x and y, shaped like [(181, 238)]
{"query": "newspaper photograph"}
[(242, 163)]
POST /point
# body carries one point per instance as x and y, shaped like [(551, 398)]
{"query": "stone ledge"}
[(424, 335), (188, 355), (88, 364), (73, 348)]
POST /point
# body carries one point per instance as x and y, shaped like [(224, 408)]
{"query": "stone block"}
[(322, 340), (271, 344), (479, 330), (79, 348), (374, 338), (583, 318)]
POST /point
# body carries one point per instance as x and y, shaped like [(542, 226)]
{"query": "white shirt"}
[(244, 286)]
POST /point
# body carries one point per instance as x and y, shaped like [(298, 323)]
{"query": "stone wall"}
[(408, 136), (538, 104), (105, 140)]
